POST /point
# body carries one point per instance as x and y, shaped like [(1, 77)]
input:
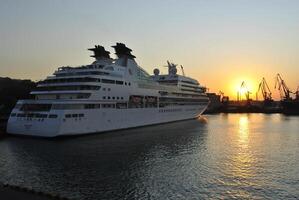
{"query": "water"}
[(248, 156)]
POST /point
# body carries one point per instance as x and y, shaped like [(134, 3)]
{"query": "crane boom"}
[(265, 90), (282, 87)]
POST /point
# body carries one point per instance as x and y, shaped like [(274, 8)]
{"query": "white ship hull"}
[(101, 120), (109, 94)]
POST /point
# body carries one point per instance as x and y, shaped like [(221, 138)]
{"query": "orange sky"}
[(220, 43)]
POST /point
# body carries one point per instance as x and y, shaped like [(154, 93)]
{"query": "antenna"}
[(182, 68)]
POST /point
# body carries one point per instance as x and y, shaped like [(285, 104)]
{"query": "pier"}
[(222, 104)]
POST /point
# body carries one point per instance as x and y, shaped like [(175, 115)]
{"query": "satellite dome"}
[(156, 72)]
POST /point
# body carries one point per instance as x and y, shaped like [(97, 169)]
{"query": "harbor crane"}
[(223, 99), (243, 89), (284, 91), (265, 90)]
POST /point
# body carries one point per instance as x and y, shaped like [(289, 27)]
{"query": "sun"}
[(242, 86)]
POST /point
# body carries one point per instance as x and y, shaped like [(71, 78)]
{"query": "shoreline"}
[(18, 193)]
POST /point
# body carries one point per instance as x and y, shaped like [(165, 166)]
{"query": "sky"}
[(219, 43)]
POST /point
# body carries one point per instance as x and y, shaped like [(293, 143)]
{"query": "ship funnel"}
[(122, 51), (99, 52)]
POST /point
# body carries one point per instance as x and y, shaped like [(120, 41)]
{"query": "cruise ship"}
[(109, 94)]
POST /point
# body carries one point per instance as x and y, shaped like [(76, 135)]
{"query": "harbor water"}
[(225, 156)]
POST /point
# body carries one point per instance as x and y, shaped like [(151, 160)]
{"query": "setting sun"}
[(242, 86)]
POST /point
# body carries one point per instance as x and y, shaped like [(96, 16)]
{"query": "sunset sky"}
[(220, 43)]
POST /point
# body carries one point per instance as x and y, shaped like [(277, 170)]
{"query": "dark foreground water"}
[(248, 156)]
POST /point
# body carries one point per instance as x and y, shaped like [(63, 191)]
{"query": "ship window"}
[(36, 107), (113, 97), (109, 68), (67, 116), (129, 83), (108, 97), (52, 116), (104, 97), (121, 97), (119, 82), (18, 106), (109, 89), (117, 97), (108, 81), (89, 106), (104, 89), (121, 105), (74, 115), (81, 115), (136, 101), (125, 83), (30, 115), (108, 105), (150, 101), (13, 114)]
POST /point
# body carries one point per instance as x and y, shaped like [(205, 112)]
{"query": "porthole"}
[(108, 97), (104, 97)]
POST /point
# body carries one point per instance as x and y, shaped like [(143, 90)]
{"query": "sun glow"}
[(237, 88)]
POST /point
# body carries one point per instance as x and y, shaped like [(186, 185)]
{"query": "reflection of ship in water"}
[(289, 105)]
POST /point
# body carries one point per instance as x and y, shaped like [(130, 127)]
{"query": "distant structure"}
[(265, 90), (246, 92)]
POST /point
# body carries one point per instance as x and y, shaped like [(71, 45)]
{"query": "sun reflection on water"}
[(242, 161), (243, 130)]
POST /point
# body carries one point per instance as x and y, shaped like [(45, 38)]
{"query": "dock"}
[(224, 105)]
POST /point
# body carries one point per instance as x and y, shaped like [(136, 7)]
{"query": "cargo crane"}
[(224, 99), (243, 89), (289, 105), (265, 90), (284, 91)]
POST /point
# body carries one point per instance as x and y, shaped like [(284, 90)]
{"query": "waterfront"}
[(248, 156)]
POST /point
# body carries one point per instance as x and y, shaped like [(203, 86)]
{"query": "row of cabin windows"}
[(108, 97), (92, 66), (81, 73), (189, 86), (189, 95), (74, 115), (134, 101), (190, 82), (170, 110), (85, 79), (182, 100), (181, 104), (195, 91), (69, 87), (33, 115)]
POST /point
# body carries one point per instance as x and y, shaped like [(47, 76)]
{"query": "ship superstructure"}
[(108, 94)]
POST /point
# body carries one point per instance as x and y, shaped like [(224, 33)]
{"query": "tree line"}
[(12, 90)]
